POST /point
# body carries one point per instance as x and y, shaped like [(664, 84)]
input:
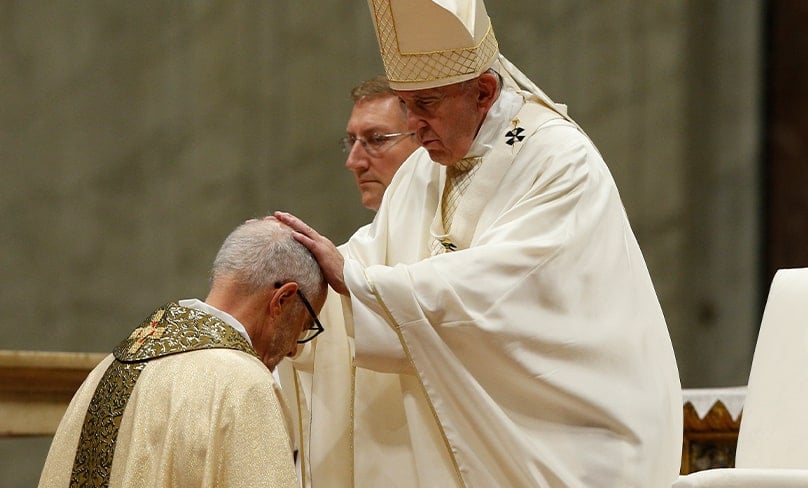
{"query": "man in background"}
[(376, 139), (189, 399)]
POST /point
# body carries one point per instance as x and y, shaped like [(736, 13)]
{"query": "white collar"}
[(499, 116)]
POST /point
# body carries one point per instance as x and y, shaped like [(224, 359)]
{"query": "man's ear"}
[(488, 87), (281, 296)]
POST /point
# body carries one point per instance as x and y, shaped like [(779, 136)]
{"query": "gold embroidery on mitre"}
[(405, 67)]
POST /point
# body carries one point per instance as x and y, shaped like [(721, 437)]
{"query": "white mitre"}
[(432, 43)]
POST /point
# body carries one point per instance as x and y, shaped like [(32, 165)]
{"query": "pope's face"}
[(445, 119), (374, 165)]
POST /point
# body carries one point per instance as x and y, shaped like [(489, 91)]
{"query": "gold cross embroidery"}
[(146, 332)]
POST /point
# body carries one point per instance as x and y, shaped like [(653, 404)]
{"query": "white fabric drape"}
[(534, 355)]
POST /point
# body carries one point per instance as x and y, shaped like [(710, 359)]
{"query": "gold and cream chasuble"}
[(184, 401)]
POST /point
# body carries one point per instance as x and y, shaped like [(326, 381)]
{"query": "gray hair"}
[(261, 253)]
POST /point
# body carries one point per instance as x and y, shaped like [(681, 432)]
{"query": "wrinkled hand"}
[(326, 253)]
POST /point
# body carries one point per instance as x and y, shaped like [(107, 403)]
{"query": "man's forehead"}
[(375, 115), (378, 103)]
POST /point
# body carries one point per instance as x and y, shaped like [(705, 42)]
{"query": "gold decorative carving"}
[(708, 442)]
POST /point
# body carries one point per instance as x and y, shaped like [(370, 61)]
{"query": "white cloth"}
[(535, 355), (744, 478), (324, 441), (202, 418), (704, 399), (771, 450)]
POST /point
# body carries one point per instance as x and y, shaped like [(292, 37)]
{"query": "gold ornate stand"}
[(710, 439)]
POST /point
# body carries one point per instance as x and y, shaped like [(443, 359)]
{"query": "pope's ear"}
[(487, 84)]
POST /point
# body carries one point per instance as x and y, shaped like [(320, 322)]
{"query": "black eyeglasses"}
[(376, 144), (315, 328)]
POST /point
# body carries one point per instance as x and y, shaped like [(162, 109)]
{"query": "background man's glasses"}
[(374, 145)]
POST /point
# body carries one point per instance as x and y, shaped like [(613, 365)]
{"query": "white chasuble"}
[(533, 353)]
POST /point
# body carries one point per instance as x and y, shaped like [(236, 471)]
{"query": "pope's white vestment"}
[(535, 354), (203, 418)]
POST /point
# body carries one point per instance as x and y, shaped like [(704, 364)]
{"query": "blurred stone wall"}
[(671, 93), (135, 135)]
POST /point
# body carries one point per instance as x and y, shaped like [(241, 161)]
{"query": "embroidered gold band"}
[(93, 462), (169, 330)]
